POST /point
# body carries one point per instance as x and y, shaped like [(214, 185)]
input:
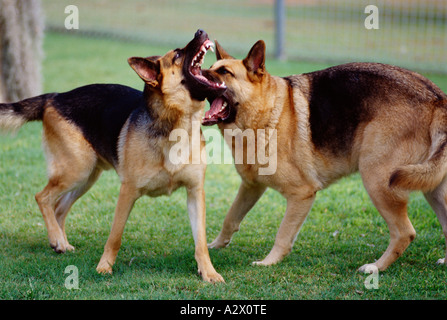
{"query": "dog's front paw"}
[(442, 261), (59, 246), (276, 255), (219, 243), (265, 262), (368, 268), (104, 267), (70, 248), (211, 276)]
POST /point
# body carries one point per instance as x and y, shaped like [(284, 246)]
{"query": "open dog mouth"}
[(201, 87), (196, 64), (221, 110)]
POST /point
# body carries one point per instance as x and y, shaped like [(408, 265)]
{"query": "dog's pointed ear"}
[(255, 60), (220, 52), (147, 69), (153, 58)]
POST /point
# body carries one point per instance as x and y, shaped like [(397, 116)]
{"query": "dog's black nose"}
[(199, 33)]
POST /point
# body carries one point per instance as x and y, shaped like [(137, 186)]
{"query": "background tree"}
[(21, 35)]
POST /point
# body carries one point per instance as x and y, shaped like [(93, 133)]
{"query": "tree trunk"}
[(21, 35)]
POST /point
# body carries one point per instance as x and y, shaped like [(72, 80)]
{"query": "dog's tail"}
[(15, 115), (428, 175)]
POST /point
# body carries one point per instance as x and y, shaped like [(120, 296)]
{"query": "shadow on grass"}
[(318, 267)]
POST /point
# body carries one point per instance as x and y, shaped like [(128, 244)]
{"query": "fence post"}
[(280, 22)]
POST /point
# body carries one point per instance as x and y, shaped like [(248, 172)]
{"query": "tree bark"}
[(21, 35)]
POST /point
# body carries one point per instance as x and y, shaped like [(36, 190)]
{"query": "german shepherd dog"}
[(388, 123), (103, 126)]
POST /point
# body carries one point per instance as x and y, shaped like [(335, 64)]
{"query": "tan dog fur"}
[(78, 150), (394, 135)]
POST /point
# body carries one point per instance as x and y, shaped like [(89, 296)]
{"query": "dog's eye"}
[(223, 70), (178, 54)]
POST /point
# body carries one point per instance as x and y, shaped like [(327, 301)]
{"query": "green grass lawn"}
[(156, 260)]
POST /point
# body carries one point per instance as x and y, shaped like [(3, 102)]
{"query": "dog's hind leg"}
[(46, 199), (392, 205), (438, 201), (65, 203), (70, 161), (58, 187)]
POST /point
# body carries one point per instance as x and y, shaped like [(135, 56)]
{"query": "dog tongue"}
[(212, 115), (214, 108)]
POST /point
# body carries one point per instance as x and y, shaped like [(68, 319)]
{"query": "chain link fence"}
[(411, 33)]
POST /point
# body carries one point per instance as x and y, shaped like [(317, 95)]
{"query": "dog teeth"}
[(197, 61), (209, 46), (199, 58), (224, 105)]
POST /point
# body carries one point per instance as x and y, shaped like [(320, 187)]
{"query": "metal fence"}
[(410, 33)]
